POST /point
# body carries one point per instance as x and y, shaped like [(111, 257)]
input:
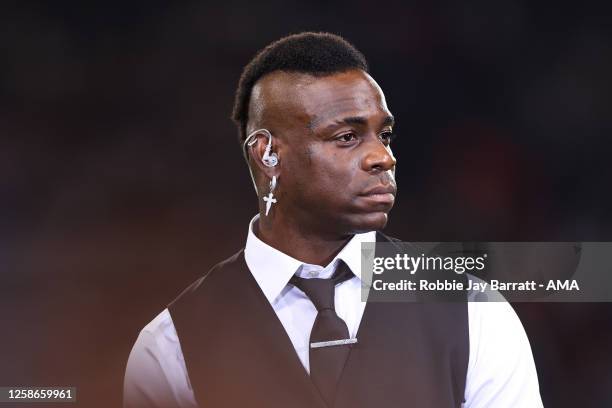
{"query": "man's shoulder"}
[(217, 269), (235, 260), (160, 326), (218, 275)]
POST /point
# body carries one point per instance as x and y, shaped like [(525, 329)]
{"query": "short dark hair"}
[(316, 54)]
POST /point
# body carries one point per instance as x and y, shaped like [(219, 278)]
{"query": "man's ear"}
[(268, 164)]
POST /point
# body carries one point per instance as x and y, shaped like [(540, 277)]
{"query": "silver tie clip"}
[(332, 343)]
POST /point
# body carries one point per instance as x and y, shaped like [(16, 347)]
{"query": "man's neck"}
[(299, 243)]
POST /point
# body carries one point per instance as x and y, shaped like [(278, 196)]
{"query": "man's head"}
[(331, 131)]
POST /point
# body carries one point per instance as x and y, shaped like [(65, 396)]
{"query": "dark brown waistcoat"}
[(238, 354)]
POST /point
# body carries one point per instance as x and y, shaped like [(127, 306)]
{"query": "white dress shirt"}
[(501, 372)]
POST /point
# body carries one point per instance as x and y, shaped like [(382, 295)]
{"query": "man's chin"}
[(374, 221)]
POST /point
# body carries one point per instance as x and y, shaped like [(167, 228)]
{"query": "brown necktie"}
[(327, 362)]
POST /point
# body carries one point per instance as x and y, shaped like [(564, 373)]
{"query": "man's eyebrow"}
[(350, 120), (355, 120), (389, 121)]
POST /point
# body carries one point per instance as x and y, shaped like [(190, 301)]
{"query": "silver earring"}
[(269, 199)]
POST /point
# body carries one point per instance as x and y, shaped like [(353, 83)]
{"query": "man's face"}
[(332, 135)]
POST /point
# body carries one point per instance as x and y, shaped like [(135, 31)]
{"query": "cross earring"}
[(269, 199)]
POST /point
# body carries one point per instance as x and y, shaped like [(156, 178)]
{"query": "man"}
[(282, 323)]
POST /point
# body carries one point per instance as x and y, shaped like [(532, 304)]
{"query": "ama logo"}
[(562, 285)]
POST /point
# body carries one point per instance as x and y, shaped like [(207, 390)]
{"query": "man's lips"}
[(388, 189), (380, 194)]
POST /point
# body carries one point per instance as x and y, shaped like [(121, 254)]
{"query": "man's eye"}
[(346, 138), (387, 137)]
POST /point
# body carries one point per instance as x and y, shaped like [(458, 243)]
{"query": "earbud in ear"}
[(270, 160)]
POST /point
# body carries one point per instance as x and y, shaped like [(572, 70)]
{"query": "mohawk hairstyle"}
[(317, 54)]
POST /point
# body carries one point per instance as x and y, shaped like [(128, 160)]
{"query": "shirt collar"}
[(272, 269)]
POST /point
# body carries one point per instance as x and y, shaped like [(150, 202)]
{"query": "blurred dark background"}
[(121, 179)]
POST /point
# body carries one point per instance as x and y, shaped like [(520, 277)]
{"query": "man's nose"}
[(378, 157)]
